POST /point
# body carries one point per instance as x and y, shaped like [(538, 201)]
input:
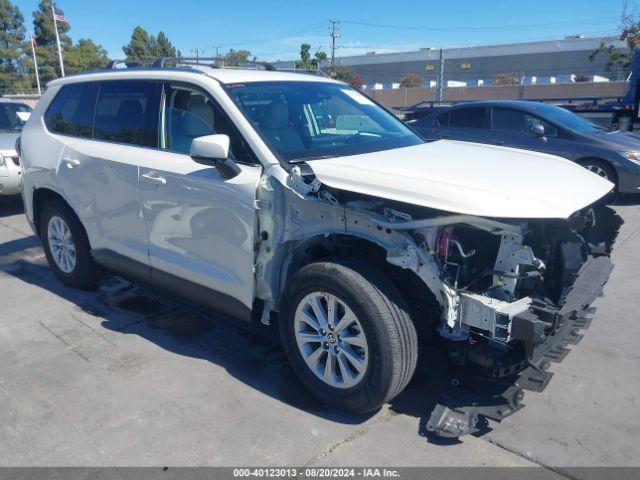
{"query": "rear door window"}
[(467, 118), (127, 112), (71, 112), (442, 120), (510, 120)]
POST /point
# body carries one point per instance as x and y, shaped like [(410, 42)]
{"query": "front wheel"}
[(601, 169), (347, 333)]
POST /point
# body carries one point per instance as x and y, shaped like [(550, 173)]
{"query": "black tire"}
[(384, 316), (86, 273), (606, 168)]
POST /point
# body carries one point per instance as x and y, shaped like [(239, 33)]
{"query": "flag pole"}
[(55, 26), (35, 63)]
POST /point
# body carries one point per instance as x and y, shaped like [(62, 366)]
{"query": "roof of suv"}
[(223, 75)]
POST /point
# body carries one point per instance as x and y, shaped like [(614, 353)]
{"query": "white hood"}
[(468, 178)]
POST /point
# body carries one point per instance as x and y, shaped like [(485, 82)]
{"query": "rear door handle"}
[(70, 162), (154, 178)]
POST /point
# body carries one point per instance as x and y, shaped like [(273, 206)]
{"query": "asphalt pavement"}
[(123, 377)]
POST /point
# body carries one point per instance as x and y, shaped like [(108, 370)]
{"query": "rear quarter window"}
[(71, 112)]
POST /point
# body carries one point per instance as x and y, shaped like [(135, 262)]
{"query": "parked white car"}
[(289, 198), (13, 115)]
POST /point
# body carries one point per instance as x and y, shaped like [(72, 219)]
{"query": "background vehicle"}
[(544, 128), (13, 116), (609, 112), (277, 196)]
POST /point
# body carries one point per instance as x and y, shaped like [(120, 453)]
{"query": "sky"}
[(274, 30)]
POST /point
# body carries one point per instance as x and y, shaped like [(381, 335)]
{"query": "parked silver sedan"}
[(13, 116)]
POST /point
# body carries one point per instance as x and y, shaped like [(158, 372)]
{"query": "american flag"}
[(33, 42), (60, 18)]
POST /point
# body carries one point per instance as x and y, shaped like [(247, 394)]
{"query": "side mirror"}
[(538, 130), (213, 150)]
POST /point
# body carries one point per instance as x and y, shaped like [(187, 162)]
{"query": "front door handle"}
[(70, 162), (154, 178)]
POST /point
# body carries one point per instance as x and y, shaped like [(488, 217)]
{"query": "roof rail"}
[(113, 64), (213, 62)]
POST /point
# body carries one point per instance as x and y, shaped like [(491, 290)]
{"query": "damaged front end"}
[(508, 295), (513, 295)]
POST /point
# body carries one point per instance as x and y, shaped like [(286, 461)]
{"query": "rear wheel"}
[(347, 333), (67, 248)]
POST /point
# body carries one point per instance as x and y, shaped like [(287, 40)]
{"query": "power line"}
[(297, 31)]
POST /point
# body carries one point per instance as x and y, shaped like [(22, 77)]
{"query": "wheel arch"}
[(41, 197), (348, 245), (590, 158)]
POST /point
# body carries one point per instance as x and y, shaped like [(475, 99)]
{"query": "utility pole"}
[(335, 33), (197, 52), (441, 76), (217, 62)]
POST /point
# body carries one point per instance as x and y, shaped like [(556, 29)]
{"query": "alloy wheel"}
[(61, 244), (597, 170), (331, 340)]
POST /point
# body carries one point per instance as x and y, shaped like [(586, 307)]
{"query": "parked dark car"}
[(545, 128)]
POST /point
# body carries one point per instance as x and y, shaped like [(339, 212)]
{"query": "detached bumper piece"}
[(546, 332)]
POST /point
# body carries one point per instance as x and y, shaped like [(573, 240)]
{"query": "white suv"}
[(274, 196)]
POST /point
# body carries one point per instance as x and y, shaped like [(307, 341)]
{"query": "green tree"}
[(146, 48), (44, 29), (308, 63), (85, 55), (305, 56), (47, 54), (237, 57), (630, 35), (141, 46), (411, 80), (321, 56), (11, 46), (163, 47)]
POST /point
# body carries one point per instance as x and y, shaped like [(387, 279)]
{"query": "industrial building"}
[(539, 62)]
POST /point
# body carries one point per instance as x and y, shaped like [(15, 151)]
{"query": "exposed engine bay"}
[(506, 293)]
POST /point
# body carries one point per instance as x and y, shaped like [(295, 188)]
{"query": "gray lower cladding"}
[(167, 283)]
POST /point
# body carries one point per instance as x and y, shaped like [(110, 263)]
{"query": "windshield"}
[(308, 120), (13, 116), (568, 119)]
